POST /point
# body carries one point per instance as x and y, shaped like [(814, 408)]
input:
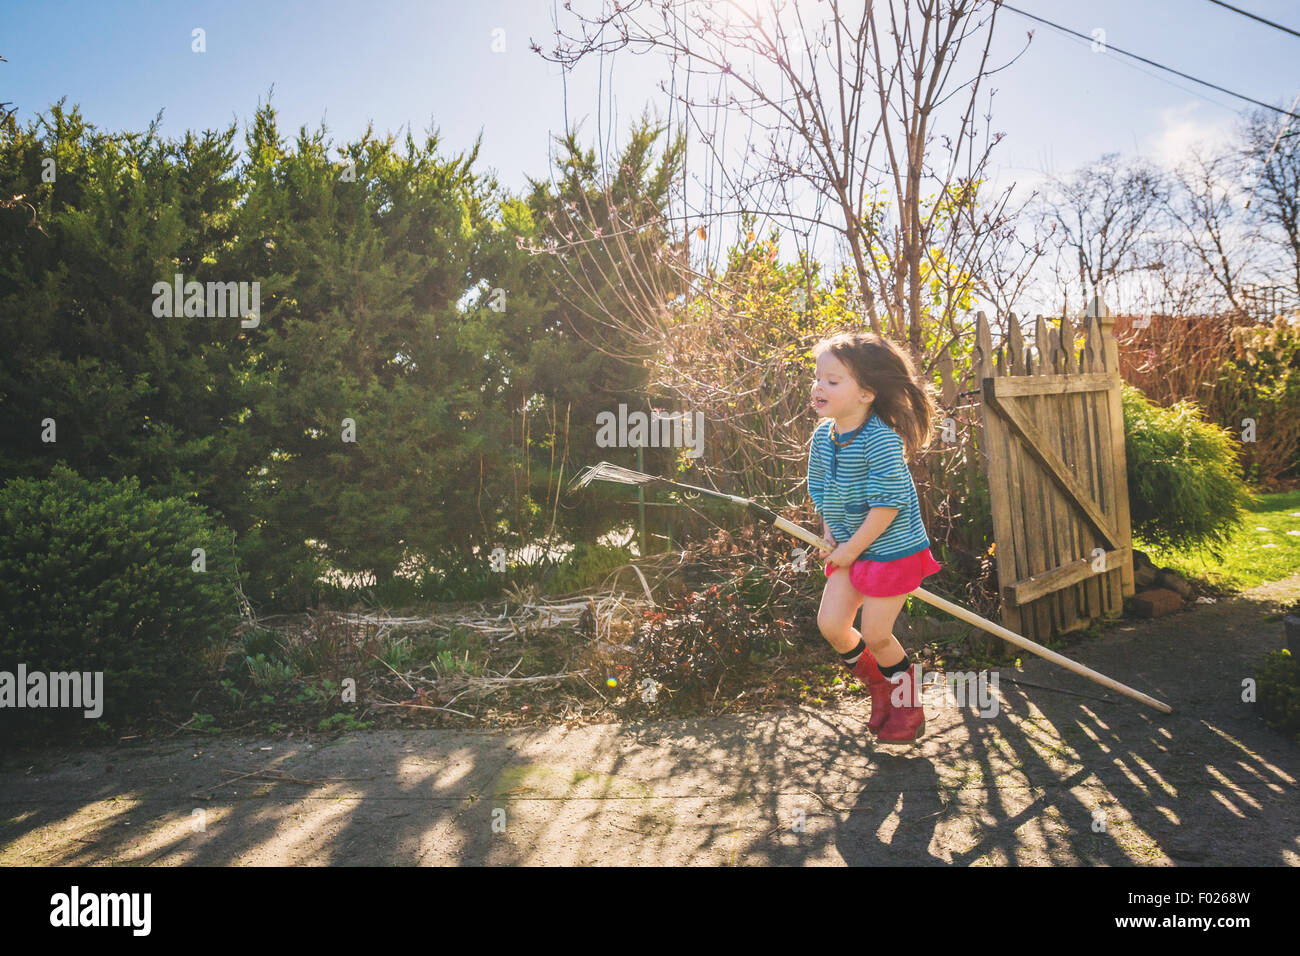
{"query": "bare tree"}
[(1203, 204), (873, 107), (1103, 212), (1271, 152), (1016, 244)]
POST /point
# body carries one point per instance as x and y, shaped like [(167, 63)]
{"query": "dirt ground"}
[(1065, 773)]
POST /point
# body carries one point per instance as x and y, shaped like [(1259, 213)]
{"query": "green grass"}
[(1246, 562)]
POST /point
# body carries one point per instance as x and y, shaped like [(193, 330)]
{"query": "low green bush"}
[(587, 565), (1279, 693), (99, 576), (1185, 485), (455, 577)]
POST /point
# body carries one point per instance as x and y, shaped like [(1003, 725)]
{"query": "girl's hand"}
[(843, 556)]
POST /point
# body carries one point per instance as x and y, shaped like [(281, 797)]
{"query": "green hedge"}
[(98, 576), (1185, 484)]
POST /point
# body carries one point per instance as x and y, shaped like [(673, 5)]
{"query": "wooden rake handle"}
[(970, 617)]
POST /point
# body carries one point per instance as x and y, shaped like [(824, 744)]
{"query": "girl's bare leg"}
[(840, 602), (878, 616)]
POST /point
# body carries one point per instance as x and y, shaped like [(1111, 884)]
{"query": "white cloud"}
[(1185, 128)]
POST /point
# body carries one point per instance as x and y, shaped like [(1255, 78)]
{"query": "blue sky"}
[(431, 62), (421, 61)]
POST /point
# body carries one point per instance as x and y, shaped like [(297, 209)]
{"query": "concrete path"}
[(1064, 773)]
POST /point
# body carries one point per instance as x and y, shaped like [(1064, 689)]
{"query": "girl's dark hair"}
[(903, 401)]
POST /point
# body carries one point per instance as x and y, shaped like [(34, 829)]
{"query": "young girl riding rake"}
[(876, 412)]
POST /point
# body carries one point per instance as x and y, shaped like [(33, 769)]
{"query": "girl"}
[(874, 408)]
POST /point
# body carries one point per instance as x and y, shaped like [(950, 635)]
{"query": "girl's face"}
[(836, 393)]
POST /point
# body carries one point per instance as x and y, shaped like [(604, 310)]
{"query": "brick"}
[(1156, 602)]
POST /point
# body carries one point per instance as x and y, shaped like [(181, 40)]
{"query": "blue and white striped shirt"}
[(845, 483)]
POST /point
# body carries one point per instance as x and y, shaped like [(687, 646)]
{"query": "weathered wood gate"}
[(1053, 437)]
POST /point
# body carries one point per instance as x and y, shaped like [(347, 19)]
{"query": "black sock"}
[(898, 668), (851, 657)]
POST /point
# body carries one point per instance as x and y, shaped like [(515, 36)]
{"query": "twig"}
[(483, 686), (589, 684), (830, 806), (223, 783), (943, 809), (394, 670), (389, 703)]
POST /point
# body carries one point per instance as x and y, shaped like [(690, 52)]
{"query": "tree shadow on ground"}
[(1065, 773)]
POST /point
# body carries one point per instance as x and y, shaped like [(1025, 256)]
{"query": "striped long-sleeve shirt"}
[(845, 483)]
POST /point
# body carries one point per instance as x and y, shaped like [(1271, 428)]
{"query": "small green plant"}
[(204, 723), (397, 655), (447, 662), (1096, 627), (269, 673), (343, 722), (234, 693), (317, 693)]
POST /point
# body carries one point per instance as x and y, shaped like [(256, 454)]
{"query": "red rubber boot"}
[(906, 721), (868, 671)]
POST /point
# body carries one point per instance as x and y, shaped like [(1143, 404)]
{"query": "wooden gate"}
[(1053, 436)]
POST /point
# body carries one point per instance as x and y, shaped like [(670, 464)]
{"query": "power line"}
[(1247, 13), (1161, 66), (1189, 90)]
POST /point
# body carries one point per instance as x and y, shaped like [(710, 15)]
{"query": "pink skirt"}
[(889, 578)]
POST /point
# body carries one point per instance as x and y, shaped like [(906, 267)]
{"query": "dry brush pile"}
[(726, 624)]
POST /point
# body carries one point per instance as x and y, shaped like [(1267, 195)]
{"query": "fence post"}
[(1123, 523), (993, 433)]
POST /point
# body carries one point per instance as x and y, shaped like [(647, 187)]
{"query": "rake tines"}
[(605, 471)]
